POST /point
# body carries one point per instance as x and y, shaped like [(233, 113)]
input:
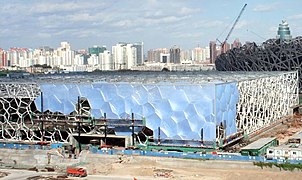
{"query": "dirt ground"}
[(111, 167), (171, 168), (289, 127)]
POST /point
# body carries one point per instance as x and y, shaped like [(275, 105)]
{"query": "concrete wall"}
[(29, 158)]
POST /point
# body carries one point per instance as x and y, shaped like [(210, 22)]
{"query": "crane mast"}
[(236, 21)]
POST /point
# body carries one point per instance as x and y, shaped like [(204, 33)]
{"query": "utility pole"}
[(105, 128), (79, 124), (42, 118), (132, 129), (79, 135), (158, 141), (201, 135)]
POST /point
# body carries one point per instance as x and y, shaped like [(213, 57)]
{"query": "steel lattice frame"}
[(264, 100), (16, 100), (272, 55), (17, 109)]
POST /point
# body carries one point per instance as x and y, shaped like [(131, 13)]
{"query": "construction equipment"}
[(75, 171), (223, 50)]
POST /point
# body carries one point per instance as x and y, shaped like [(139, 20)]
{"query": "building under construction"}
[(196, 109)]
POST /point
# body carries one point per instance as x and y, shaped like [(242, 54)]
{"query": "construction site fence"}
[(30, 146), (182, 155), (194, 156)]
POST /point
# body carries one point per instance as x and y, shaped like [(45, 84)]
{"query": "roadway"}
[(19, 174)]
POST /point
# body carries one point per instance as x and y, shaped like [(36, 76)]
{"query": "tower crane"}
[(227, 37)]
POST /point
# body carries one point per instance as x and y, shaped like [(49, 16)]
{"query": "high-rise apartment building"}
[(26, 58), (139, 53), (225, 47), (124, 56), (96, 50), (79, 59), (154, 54), (3, 58), (213, 52), (207, 53), (93, 60), (106, 61), (175, 55), (64, 54), (65, 46), (43, 55), (185, 55), (201, 55), (118, 52), (18, 57), (13, 56), (197, 54), (131, 58)]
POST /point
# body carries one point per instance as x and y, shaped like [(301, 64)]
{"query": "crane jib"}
[(230, 32)]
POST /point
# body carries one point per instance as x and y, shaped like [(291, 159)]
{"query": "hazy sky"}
[(158, 23)]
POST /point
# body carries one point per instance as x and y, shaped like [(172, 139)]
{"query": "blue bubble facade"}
[(180, 110)]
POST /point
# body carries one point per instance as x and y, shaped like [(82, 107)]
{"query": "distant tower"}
[(139, 52), (175, 55), (213, 52), (65, 45), (284, 32)]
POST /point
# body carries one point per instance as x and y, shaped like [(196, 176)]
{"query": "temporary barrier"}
[(227, 157)]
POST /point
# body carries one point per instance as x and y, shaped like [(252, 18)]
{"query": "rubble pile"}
[(163, 173), (3, 174)]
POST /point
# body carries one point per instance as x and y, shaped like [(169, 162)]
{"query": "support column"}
[(42, 118), (132, 124)]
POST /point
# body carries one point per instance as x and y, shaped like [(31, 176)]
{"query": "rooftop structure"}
[(258, 144), (191, 77), (284, 32), (259, 147)]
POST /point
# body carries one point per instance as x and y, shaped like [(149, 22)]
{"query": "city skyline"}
[(185, 24)]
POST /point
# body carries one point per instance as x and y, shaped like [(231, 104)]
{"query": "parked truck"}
[(76, 171)]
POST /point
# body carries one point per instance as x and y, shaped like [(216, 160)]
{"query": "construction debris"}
[(123, 159), (47, 178), (288, 127), (3, 174), (163, 173)]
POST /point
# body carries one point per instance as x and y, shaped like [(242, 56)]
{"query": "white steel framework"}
[(264, 100)]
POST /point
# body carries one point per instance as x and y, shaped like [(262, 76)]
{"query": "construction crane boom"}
[(236, 21)]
